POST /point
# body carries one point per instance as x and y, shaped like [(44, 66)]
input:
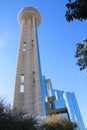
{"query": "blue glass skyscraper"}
[(65, 104), (73, 109)]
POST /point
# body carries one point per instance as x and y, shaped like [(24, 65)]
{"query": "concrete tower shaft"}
[(27, 88)]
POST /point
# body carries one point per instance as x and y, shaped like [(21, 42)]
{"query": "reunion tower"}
[(27, 88)]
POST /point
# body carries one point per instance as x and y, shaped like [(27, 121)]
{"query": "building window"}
[(21, 88), (24, 44), (24, 47), (22, 78), (33, 72)]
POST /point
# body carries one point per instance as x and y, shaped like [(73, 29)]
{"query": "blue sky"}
[(57, 43)]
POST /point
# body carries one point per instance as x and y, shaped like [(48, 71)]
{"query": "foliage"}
[(57, 123), (76, 9), (14, 120), (81, 54)]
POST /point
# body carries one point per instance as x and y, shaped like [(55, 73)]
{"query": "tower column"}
[(27, 89)]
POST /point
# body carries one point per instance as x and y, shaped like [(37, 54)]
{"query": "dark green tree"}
[(81, 54), (76, 9), (14, 120)]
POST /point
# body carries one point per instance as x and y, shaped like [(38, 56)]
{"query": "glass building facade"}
[(73, 109), (64, 103)]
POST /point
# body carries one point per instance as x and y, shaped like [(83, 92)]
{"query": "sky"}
[(57, 44)]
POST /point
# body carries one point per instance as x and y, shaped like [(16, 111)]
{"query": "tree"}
[(14, 120), (76, 9), (57, 123), (81, 54)]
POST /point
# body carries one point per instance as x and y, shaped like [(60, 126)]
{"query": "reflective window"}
[(22, 78), (24, 44), (22, 89), (24, 47)]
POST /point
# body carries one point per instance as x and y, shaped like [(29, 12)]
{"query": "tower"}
[(27, 88)]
